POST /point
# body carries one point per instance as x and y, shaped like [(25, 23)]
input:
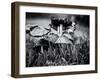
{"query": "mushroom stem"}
[(41, 49), (60, 29)]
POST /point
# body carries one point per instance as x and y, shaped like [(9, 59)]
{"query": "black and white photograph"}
[(54, 39)]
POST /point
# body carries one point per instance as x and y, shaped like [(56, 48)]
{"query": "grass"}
[(56, 54)]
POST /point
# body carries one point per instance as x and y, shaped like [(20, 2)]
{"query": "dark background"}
[(44, 19)]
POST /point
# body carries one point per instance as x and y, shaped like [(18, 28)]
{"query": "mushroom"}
[(63, 39), (38, 33)]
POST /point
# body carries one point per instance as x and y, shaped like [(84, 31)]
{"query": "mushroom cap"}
[(38, 32), (63, 39), (53, 31), (51, 37), (68, 36)]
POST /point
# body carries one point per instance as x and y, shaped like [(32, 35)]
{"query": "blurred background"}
[(44, 19)]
